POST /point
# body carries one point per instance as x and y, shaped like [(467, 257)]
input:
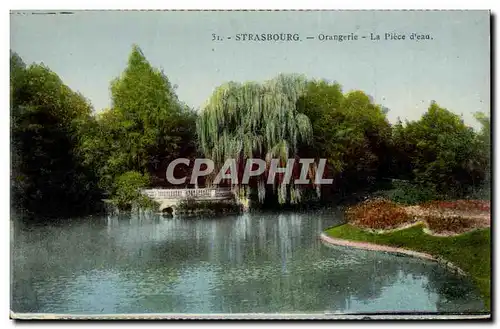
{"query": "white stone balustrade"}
[(199, 193)]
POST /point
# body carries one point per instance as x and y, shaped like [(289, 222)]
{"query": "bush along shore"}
[(454, 233), (192, 208)]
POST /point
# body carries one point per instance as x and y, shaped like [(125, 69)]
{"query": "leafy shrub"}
[(483, 193), (127, 191), (186, 204), (410, 194), (191, 206), (377, 214)]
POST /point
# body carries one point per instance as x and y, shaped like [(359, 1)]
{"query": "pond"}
[(255, 262)]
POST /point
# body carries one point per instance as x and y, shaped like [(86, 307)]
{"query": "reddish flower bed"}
[(465, 205), (444, 224), (441, 217), (377, 214)]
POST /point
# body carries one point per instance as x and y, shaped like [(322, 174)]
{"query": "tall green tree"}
[(47, 116), (146, 127), (150, 111), (484, 152), (350, 131), (17, 80), (443, 151)]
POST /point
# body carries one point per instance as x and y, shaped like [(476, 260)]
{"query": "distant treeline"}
[(66, 158)]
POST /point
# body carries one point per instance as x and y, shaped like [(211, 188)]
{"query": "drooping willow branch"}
[(241, 121)]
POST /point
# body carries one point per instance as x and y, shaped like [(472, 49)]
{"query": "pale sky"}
[(89, 49)]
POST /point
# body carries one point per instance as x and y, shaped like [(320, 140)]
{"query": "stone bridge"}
[(170, 198)]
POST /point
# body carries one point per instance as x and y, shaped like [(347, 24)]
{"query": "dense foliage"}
[(146, 127), (66, 157), (351, 132), (47, 120), (440, 150), (191, 207), (410, 193)]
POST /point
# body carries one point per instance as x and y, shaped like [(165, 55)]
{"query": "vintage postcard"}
[(250, 164)]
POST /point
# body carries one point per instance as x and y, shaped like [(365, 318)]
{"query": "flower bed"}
[(441, 217), (465, 205), (444, 224), (377, 214)]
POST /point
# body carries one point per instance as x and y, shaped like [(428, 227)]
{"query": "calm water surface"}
[(249, 263)]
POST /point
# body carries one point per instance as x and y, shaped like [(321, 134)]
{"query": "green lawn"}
[(470, 251)]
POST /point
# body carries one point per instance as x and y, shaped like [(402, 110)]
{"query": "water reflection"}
[(248, 263)]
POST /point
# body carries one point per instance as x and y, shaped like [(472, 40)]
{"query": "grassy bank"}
[(469, 251)]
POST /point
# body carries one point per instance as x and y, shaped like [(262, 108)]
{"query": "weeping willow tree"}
[(253, 120)]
